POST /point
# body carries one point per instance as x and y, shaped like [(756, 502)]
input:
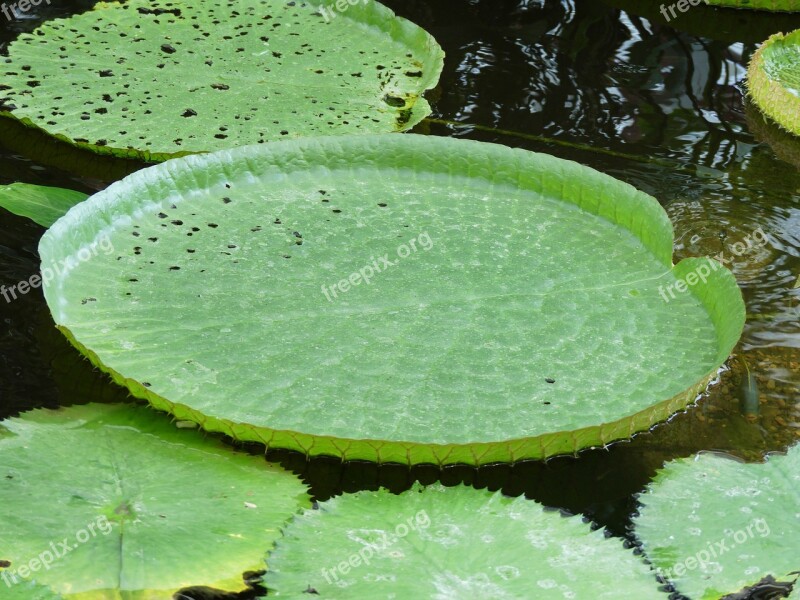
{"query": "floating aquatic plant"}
[(154, 79), (439, 542), (112, 501), (392, 298), (714, 526)]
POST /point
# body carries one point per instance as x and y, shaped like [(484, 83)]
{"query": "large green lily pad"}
[(154, 79), (439, 542), (714, 526), (392, 298), (42, 204), (113, 501), (773, 80)]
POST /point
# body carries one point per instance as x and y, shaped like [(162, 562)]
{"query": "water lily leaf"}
[(113, 501), (154, 79), (439, 542), (771, 5), (773, 79), (392, 298), (714, 526), (43, 205)]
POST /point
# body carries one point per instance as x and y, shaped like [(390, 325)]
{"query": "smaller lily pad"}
[(439, 542), (773, 79), (714, 526), (113, 501), (41, 204)]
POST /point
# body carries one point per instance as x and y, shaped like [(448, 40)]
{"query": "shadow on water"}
[(608, 84)]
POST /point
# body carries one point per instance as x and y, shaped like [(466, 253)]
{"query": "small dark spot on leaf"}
[(394, 101), (168, 49), (550, 380), (189, 113)]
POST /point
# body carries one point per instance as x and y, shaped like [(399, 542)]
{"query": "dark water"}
[(606, 83)]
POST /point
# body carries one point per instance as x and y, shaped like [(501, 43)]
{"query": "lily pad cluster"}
[(391, 298)]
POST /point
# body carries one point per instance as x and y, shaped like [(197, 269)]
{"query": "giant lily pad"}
[(714, 526), (450, 543), (773, 80), (392, 298), (153, 79), (42, 204), (112, 501)]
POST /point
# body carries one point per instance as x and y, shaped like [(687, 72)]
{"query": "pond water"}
[(603, 82)]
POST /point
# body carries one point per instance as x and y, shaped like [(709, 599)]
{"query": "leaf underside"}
[(528, 320), (155, 79)]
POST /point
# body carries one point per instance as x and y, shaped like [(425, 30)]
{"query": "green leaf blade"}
[(43, 205)]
